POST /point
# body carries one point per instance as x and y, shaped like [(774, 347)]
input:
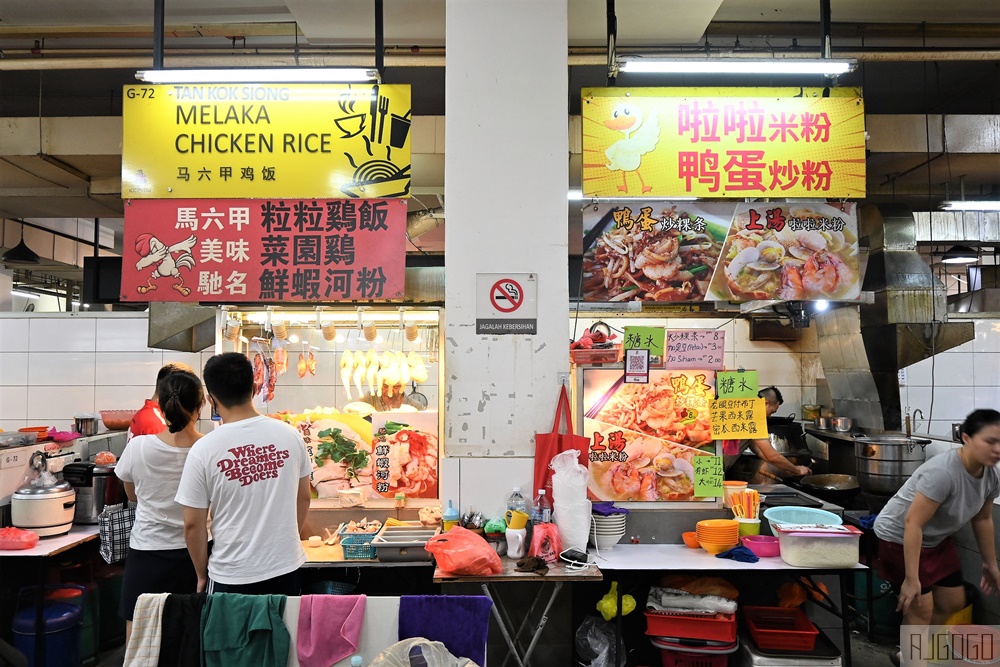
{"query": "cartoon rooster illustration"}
[(152, 250), (640, 138)]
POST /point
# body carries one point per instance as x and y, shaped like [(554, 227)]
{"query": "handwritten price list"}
[(707, 476), (695, 348)]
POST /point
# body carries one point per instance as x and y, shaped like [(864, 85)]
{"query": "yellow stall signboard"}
[(738, 419), (220, 141), (705, 142)]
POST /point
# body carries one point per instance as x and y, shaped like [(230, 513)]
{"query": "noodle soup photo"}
[(652, 252), (790, 252), (629, 466)]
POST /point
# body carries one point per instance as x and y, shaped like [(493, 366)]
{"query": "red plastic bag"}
[(547, 445), (545, 542), (461, 551), (14, 539)]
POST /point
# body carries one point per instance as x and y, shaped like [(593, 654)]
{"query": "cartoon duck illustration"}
[(641, 135), (152, 250)]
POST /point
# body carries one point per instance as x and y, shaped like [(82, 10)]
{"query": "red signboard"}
[(259, 250)]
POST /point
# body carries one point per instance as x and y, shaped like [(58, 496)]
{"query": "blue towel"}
[(741, 554), (607, 509), (867, 522), (460, 622)]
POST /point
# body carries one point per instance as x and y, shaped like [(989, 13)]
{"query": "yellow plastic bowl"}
[(713, 548)]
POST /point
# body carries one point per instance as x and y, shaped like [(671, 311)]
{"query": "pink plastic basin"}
[(764, 546)]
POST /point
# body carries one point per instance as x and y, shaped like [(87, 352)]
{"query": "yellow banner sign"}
[(265, 141), (650, 142)]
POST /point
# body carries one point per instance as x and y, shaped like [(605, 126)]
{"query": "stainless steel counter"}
[(764, 489)]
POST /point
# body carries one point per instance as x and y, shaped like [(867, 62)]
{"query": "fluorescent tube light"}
[(738, 66), (25, 295), (960, 254), (970, 206), (262, 75)]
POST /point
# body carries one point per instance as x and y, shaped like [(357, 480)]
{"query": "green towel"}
[(244, 631)]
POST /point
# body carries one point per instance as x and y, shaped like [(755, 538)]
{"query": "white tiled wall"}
[(960, 380), (53, 366)]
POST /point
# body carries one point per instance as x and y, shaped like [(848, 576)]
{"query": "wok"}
[(837, 489)]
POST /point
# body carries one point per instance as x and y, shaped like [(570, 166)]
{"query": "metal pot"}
[(885, 462), (822, 423), (842, 424), (837, 489), (786, 436), (85, 426)]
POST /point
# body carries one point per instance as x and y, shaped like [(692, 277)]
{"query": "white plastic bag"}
[(569, 479), (573, 522), (433, 654)]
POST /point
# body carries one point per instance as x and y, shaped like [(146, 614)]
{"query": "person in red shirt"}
[(148, 420)]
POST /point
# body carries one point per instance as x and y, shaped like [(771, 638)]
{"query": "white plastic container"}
[(818, 546)]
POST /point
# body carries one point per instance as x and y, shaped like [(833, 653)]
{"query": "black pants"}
[(285, 584)]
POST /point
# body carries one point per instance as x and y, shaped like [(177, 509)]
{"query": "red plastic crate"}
[(670, 658), (714, 627), (777, 628)]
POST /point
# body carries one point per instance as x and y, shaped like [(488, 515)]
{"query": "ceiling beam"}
[(227, 30), (858, 30)]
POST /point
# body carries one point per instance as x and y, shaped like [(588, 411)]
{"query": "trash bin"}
[(61, 623)]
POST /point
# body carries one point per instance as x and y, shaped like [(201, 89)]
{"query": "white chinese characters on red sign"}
[(263, 250)]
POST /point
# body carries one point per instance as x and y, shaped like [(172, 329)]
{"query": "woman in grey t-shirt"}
[(917, 554)]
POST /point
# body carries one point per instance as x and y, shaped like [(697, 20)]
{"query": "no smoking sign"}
[(506, 303)]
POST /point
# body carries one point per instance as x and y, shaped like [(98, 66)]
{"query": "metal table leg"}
[(845, 580), (522, 625), (500, 614), (503, 626)]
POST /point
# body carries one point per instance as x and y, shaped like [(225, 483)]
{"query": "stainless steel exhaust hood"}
[(863, 347)]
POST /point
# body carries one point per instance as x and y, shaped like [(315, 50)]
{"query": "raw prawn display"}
[(674, 405), (667, 258), (643, 469), (790, 252)]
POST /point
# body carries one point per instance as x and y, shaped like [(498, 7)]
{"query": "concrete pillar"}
[(506, 179), (6, 285)]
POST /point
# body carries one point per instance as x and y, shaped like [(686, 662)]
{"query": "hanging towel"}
[(144, 647), (181, 643), (329, 628), (244, 631), (460, 622)]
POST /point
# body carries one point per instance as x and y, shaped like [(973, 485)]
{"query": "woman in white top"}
[(150, 468)]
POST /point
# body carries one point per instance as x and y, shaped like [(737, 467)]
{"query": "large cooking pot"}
[(96, 486), (837, 489), (885, 462)]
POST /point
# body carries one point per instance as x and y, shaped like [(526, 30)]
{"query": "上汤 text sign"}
[(266, 140), (238, 250), (657, 142)]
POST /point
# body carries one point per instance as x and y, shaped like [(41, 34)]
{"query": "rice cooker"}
[(96, 486), (46, 510)]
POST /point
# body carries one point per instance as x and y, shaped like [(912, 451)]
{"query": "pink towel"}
[(329, 628)]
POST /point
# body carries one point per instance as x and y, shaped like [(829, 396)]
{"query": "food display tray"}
[(403, 543)]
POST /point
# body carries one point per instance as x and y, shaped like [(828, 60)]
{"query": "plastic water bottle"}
[(541, 511), (517, 502)]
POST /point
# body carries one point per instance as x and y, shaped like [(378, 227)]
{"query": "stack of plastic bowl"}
[(718, 535), (605, 531)]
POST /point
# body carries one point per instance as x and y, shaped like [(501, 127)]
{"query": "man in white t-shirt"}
[(252, 473)]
